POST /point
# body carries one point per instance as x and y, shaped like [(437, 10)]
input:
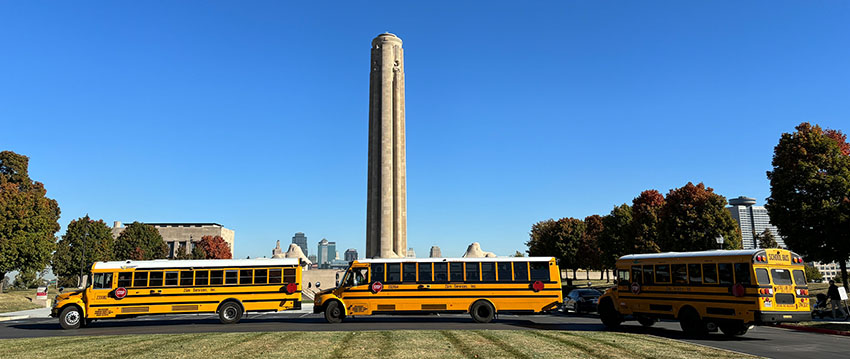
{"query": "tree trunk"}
[(602, 274), (587, 273), (2, 277), (574, 273), (843, 264)]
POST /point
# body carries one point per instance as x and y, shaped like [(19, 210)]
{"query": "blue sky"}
[(254, 114)]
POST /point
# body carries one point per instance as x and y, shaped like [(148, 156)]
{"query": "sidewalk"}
[(24, 314)]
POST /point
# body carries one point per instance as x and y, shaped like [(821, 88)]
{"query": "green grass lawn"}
[(15, 300), (384, 344)]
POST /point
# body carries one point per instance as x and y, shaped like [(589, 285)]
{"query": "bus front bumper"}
[(779, 317)]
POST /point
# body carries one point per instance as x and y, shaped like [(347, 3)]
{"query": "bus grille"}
[(784, 298), (134, 309)]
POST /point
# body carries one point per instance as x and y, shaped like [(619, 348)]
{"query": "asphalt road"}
[(763, 341)]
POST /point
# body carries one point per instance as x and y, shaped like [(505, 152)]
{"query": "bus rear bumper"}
[(779, 317)]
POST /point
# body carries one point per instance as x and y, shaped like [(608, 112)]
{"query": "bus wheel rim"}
[(73, 317), (230, 313)]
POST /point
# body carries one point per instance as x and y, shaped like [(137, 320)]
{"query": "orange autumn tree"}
[(214, 247)]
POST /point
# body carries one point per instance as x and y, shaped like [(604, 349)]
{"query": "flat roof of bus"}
[(435, 260), (712, 253), (200, 263)]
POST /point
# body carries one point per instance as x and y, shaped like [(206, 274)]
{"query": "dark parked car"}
[(581, 300)]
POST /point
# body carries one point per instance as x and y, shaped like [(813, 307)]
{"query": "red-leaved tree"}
[(215, 247)]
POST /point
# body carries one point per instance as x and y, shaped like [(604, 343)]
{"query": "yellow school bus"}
[(479, 286), (727, 289), (224, 286)]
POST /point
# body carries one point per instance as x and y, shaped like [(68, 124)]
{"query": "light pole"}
[(83, 257), (719, 241)]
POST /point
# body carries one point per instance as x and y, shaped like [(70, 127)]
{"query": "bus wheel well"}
[(75, 305), (686, 309), (327, 302), (482, 300), (230, 300)]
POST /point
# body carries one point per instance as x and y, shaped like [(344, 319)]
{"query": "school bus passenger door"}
[(355, 288)]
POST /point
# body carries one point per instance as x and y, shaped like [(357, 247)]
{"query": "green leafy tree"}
[(589, 255), (182, 254), (28, 219), (558, 239), (84, 235), (617, 238), (140, 241), (693, 217), (646, 211), (810, 194), (518, 254), (26, 280), (198, 253), (766, 239), (812, 272)]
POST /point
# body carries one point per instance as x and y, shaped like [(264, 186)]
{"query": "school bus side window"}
[(231, 276), (488, 271), (155, 279), (425, 273), (742, 273), (170, 278), (761, 276), (540, 271), (473, 273), (377, 272), (441, 272), (695, 273), (725, 272), (202, 277), (102, 281), (186, 278), (246, 276), (140, 279), (216, 277), (261, 276), (393, 272), (636, 274), (409, 272), (647, 274), (124, 279), (289, 275), (680, 274), (456, 269), (709, 273), (275, 276), (623, 276), (662, 273), (521, 272), (504, 269)]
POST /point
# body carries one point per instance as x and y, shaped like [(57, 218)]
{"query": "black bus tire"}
[(334, 312), (482, 311), (609, 316), (691, 322), (230, 312), (71, 317)]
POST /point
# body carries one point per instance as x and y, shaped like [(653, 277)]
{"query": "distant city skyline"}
[(255, 116)]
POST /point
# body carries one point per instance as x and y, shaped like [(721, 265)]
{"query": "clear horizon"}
[(254, 115)]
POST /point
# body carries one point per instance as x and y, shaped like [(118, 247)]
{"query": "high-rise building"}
[(752, 220), (326, 252), (350, 255), (411, 253), (301, 240), (436, 252), (386, 203)]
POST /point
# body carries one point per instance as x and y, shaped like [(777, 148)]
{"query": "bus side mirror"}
[(309, 284), (318, 284)]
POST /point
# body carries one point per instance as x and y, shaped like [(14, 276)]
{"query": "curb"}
[(14, 317), (813, 330)]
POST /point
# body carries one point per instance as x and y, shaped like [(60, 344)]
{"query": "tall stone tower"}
[(386, 205)]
